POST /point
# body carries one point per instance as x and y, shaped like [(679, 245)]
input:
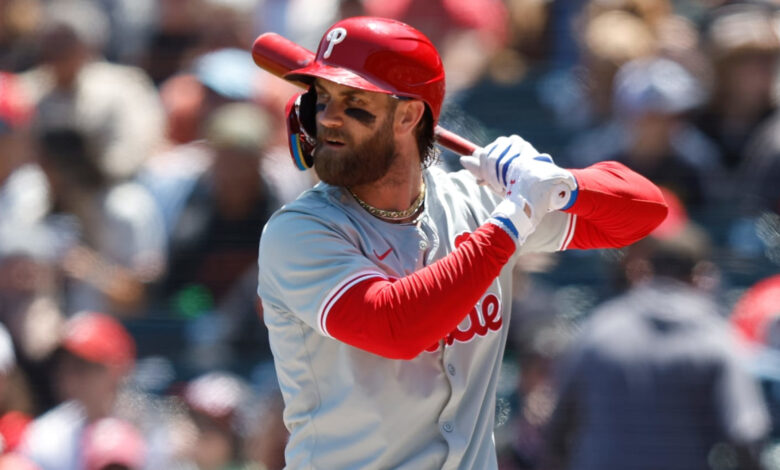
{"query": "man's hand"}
[(512, 162), (491, 163)]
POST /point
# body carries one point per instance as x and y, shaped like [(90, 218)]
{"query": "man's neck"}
[(399, 188)]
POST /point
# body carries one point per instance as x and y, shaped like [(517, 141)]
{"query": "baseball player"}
[(386, 287)]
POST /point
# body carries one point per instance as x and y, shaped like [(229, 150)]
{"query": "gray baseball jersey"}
[(347, 408)]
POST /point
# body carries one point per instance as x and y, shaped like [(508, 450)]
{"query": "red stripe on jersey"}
[(570, 228), (615, 206), (399, 319), (338, 291)]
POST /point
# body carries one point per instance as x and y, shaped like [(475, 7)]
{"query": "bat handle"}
[(560, 197), (454, 142)]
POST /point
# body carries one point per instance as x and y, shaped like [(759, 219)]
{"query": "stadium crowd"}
[(142, 151)]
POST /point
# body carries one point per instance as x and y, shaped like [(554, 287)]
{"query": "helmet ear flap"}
[(300, 142), (306, 112)]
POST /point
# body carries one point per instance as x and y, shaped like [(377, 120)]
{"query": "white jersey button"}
[(423, 244), (451, 369), (447, 427)]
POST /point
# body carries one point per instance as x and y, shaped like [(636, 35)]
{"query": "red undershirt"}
[(615, 207)]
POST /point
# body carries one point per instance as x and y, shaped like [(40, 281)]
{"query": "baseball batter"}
[(386, 288)]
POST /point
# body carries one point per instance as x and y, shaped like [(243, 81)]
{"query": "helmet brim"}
[(339, 75)]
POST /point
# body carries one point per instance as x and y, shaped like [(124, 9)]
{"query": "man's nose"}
[(330, 114)]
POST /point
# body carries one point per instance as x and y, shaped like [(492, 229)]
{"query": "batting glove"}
[(546, 186), (534, 188), (510, 159), (516, 216), (490, 164)]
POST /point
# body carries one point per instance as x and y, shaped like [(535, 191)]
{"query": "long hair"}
[(426, 139)]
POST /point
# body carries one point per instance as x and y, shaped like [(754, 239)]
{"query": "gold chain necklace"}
[(393, 215)]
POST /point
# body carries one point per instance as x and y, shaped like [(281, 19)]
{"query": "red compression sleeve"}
[(399, 319), (615, 206)]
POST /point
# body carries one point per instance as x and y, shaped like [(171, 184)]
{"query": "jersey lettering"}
[(334, 36), (483, 318)]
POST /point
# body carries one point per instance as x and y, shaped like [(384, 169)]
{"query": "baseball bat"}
[(278, 55)]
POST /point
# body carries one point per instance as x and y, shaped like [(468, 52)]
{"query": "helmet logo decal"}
[(335, 36)]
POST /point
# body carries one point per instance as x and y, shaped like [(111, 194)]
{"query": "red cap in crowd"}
[(99, 338), (15, 109), (757, 312)]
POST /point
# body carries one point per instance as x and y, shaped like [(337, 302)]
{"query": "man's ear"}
[(407, 115)]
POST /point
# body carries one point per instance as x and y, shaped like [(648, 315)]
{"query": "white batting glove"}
[(494, 165), (534, 188), (516, 216), (546, 186), (491, 163)]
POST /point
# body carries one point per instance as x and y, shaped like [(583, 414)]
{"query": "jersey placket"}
[(447, 419), (428, 241)]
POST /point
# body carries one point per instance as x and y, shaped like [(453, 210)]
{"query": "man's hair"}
[(678, 256), (424, 134), (426, 139)]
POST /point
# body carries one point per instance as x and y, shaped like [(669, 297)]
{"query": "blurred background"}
[(142, 151)]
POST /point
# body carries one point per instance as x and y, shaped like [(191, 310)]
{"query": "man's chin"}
[(345, 165), (339, 178)]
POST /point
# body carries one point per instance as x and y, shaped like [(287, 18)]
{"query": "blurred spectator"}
[(467, 33), (96, 356), (16, 461), (267, 435), (651, 131), (22, 189), (114, 105), (215, 79), (742, 44), (30, 304), (213, 252), (513, 79), (18, 22), (111, 236), (578, 97), (228, 206), (609, 40), (303, 21), (756, 319), (171, 39), (651, 12), (756, 314), (12, 422), (219, 403), (655, 379), (113, 444), (95, 359), (538, 334)]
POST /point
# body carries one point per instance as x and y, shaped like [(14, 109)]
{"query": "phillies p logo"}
[(334, 36)]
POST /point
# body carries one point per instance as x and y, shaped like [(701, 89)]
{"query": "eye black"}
[(361, 115)]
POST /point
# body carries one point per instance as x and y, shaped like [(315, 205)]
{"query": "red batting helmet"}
[(380, 55)]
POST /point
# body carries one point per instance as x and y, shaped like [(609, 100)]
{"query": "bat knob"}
[(560, 197)]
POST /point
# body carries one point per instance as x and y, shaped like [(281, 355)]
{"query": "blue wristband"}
[(507, 225)]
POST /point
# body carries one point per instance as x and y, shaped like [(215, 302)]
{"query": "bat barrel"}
[(278, 55)]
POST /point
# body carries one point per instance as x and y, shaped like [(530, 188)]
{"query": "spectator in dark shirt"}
[(655, 379)]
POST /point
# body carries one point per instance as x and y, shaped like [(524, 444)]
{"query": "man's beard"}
[(352, 165)]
